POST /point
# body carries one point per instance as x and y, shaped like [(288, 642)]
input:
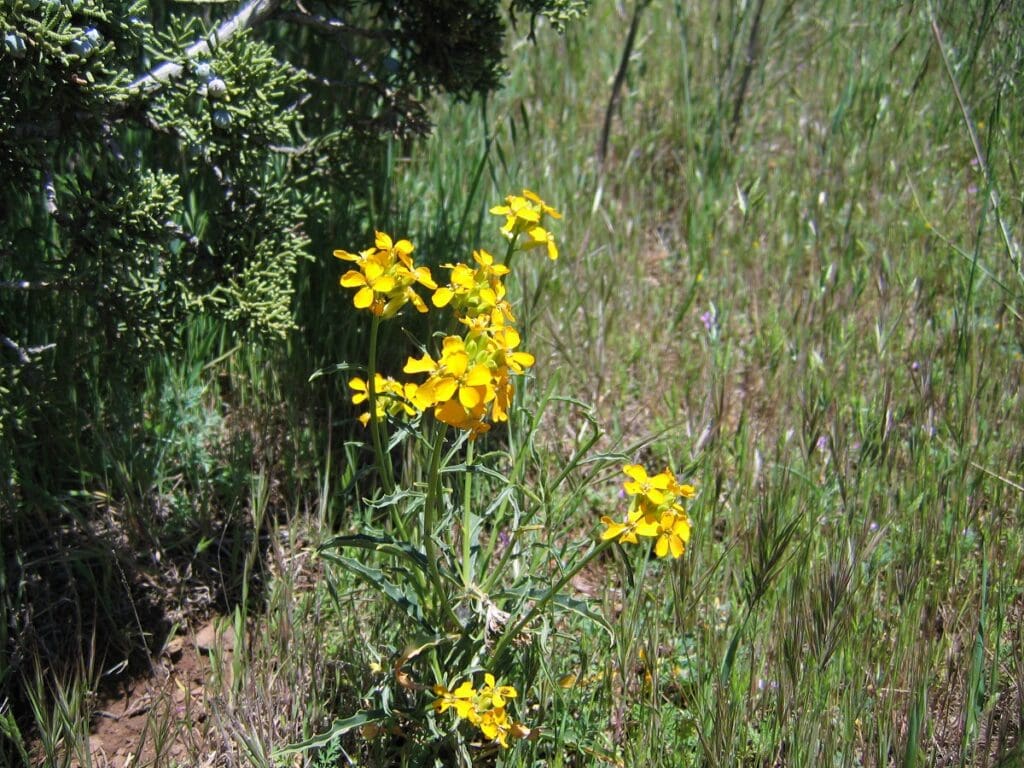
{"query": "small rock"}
[(174, 647), (208, 638)]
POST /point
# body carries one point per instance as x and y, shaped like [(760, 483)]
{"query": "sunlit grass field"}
[(804, 293), (790, 270)]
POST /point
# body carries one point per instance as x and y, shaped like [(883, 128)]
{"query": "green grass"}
[(797, 292)]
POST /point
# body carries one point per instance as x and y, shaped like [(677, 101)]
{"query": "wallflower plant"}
[(459, 562)]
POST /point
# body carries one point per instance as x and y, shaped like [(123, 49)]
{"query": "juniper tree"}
[(159, 162)]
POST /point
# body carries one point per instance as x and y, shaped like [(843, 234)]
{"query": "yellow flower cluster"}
[(475, 293), (483, 707), (655, 511), (385, 277), (392, 397), (470, 380), (526, 214), (470, 383)]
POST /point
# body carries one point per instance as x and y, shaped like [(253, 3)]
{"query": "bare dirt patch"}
[(162, 719)]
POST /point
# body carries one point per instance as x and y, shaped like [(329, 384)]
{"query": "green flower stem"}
[(467, 517), (377, 431), (430, 522), (542, 604), (511, 251)]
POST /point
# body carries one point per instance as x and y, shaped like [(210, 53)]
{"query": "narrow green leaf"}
[(378, 543), (339, 728), (405, 601), (336, 368), (565, 603)]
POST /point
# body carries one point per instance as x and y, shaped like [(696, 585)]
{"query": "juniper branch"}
[(24, 353), (330, 26), (249, 15)]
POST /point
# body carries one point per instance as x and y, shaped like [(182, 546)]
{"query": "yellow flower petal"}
[(635, 471), (479, 376), (677, 546), (470, 397), (443, 388), (442, 296), (455, 362), (363, 298), (661, 546), (352, 279), (425, 364), (647, 527)]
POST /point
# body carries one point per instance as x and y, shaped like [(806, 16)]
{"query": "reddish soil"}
[(160, 720)]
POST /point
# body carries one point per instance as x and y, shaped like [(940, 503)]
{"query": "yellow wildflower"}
[(504, 340), (641, 485), (484, 708), (673, 532), (461, 700), (495, 725), (386, 276), (654, 512), (452, 376), (494, 695), (473, 291), (641, 520), (524, 215), (393, 397), (470, 382), (373, 281)]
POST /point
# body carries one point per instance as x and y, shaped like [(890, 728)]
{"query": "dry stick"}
[(1012, 248), (620, 78), (602, 146), (748, 67), (249, 15)]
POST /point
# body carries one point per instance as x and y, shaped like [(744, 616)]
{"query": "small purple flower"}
[(708, 318), (822, 443)]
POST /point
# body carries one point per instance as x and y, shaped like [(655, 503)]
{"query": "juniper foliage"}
[(161, 159)]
